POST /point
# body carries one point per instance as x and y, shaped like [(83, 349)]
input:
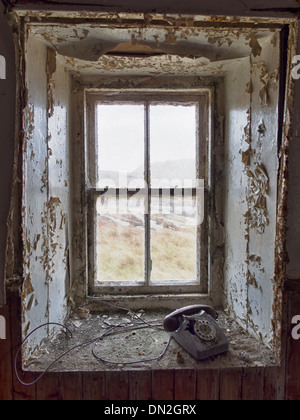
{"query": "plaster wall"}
[(35, 289), (45, 191), (59, 187), (236, 120), (251, 194), (262, 190)]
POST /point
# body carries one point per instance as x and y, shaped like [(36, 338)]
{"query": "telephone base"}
[(195, 346)]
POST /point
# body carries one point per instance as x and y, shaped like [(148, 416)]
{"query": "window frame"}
[(200, 96)]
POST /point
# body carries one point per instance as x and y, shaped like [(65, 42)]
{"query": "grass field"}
[(120, 249)]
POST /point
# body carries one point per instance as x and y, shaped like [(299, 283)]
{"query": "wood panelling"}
[(5, 360), (93, 386), (163, 385), (274, 379), (271, 383), (252, 384), (208, 387), (185, 385), (117, 385), (70, 386), (20, 392), (140, 386), (48, 388), (230, 384)]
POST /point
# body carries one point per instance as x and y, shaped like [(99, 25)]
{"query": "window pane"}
[(120, 145), (173, 145), (120, 240), (173, 239), (120, 230)]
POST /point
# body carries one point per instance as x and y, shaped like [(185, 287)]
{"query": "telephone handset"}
[(196, 330)]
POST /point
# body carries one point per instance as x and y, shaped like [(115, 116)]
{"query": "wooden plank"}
[(253, 384), (93, 386), (5, 359), (207, 385), (140, 385), (47, 388), (163, 385), (70, 386), (292, 285), (20, 392), (117, 386), (231, 384), (274, 383), (185, 385)]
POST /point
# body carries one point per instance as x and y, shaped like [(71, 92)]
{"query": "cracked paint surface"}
[(245, 254)]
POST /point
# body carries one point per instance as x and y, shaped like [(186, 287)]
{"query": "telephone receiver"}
[(196, 330)]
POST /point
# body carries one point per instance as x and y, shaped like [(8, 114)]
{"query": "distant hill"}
[(171, 170), (183, 169)]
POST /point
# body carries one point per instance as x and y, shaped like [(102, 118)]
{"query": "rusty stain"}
[(44, 180), (51, 68), (251, 281), (256, 48), (246, 155), (27, 286), (26, 329), (249, 87), (171, 37), (30, 303), (38, 237), (259, 185)]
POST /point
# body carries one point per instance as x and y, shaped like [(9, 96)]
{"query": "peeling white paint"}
[(45, 194), (245, 201), (252, 186)]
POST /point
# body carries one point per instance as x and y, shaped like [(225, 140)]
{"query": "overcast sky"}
[(121, 135)]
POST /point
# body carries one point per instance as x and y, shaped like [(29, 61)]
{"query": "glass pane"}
[(173, 239), (120, 145), (120, 240), (173, 145)]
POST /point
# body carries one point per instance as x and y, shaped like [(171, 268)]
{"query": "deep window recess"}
[(147, 172)]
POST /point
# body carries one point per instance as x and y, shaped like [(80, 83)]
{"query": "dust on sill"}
[(141, 344)]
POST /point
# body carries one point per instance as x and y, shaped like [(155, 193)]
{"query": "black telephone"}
[(196, 330)]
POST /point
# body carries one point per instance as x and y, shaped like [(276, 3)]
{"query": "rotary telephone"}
[(196, 330)]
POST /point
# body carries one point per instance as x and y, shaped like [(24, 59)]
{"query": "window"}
[(147, 168)]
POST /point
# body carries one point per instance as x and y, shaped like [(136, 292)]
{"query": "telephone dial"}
[(196, 330)]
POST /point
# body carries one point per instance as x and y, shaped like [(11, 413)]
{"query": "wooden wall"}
[(222, 384)]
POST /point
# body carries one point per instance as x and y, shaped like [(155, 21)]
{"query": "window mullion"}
[(202, 174), (147, 175)]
